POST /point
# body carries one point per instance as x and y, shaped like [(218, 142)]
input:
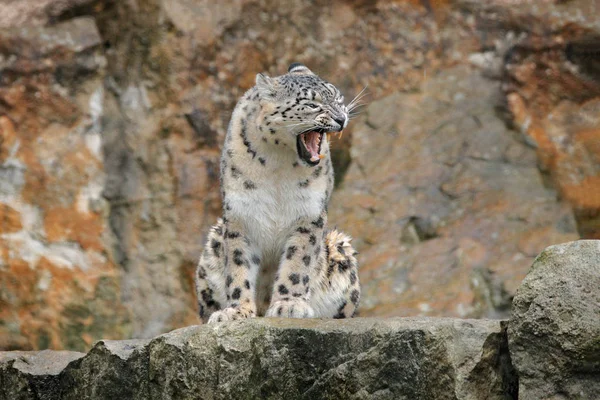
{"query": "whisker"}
[(359, 96), (355, 106)]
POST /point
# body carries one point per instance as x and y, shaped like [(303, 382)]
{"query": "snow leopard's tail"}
[(340, 287)]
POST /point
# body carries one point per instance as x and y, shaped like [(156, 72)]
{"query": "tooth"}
[(315, 158), (322, 156)]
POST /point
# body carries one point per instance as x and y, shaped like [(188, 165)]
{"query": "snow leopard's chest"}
[(274, 210)]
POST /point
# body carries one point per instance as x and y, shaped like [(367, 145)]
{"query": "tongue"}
[(312, 144)]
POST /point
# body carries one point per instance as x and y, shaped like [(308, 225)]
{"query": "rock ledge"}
[(272, 358)]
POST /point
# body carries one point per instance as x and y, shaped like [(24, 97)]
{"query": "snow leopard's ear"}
[(299, 69), (266, 86)]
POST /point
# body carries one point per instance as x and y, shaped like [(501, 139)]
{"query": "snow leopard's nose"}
[(341, 121)]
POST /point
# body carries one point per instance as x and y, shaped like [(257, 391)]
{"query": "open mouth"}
[(309, 146)]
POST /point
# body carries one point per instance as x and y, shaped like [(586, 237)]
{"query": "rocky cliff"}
[(547, 350), (478, 147)]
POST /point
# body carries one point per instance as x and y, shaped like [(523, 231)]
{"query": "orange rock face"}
[(56, 274), (552, 87)]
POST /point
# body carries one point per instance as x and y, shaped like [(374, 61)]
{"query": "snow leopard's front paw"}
[(295, 308), (231, 314)]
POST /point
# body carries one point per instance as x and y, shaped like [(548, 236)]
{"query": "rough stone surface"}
[(17, 13), (112, 114), (554, 330), (274, 359), (447, 212), (551, 79), (30, 375), (59, 287)]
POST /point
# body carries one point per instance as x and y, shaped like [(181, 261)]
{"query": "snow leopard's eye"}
[(312, 106)]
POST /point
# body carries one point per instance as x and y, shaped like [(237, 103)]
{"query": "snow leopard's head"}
[(302, 107)]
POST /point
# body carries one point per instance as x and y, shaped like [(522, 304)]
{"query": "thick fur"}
[(271, 253)]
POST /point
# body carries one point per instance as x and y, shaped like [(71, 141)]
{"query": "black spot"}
[(216, 246), (264, 139), (247, 284), (232, 235), (305, 280), (249, 185), (206, 295), (352, 277), (228, 281), (303, 230), (340, 314), (312, 239), (304, 183), (255, 259), (237, 257), (330, 270), (276, 141), (319, 223), (236, 293), (317, 172), (317, 250), (354, 296), (295, 279), (279, 310), (297, 294), (201, 272), (283, 290), (295, 164), (272, 131), (235, 172), (290, 252), (306, 260), (343, 265), (262, 160), (340, 249)]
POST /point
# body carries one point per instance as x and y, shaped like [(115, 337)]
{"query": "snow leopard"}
[(272, 253)]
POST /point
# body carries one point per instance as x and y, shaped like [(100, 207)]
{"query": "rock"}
[(17, 13), (33, 375), (58, 283), (554, 329), (552, 87), (447, 212), (295, 359)]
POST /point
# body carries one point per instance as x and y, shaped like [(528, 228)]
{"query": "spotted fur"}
[(271, 253)]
